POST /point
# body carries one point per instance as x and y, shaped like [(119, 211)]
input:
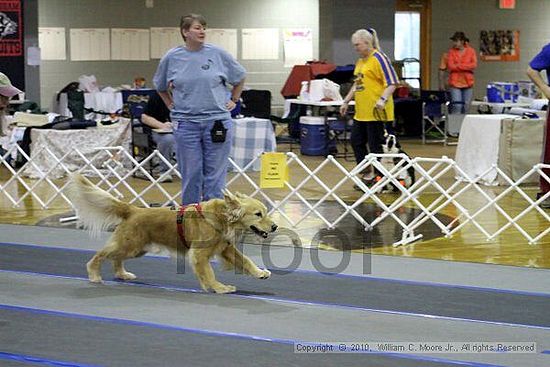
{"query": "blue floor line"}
[(285, 300), (41, 361), (338, 275), (224, 334)]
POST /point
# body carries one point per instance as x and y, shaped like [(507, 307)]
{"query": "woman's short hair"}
[(187, 21)]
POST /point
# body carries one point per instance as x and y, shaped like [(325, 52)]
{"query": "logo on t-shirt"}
[(207, 65), (359, 83)]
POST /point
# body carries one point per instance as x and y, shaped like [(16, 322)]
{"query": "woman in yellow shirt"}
[(375, 81)]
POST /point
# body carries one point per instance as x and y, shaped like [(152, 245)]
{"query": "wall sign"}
[(501, 45), (11, 28), (507, 4)]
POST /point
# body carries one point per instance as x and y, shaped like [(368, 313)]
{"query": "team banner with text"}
[(11, 28)]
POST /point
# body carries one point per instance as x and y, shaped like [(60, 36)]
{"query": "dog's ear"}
[(240, 196), (230, 199), (234, 214), (234, 210)]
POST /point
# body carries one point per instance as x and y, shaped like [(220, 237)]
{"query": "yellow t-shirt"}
[(372, 75)]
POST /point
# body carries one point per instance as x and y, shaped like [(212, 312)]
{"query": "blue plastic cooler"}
[(499, 92), (313, 136)]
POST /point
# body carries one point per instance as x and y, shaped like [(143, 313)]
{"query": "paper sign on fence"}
[(274, 171)]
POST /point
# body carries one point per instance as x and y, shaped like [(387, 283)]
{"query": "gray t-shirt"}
[(199, 80)]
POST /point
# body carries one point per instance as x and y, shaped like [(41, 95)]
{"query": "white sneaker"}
[(165, 177)]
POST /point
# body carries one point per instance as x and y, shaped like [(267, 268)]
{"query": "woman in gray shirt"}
[(193, 80)]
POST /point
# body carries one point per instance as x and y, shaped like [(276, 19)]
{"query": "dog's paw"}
[(125, 276), (225, 289), (95, 279), (264, 274)]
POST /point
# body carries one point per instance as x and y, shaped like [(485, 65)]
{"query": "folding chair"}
[(338, 135), (434, 116), (142, 143)]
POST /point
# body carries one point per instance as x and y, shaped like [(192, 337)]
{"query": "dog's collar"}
[(180, 221)]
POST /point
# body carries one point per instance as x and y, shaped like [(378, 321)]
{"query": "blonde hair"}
[(369, 36)]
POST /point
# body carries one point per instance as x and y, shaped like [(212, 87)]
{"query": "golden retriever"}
[(209, 232)]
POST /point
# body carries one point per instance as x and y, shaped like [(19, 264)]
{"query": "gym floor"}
[(465, 290)]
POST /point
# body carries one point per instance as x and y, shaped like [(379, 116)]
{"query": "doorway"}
[(412, 40)]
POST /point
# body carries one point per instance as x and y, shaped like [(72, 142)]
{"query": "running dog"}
[(200, 231)]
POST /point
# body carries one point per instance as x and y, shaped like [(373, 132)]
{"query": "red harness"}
[(180, 221)]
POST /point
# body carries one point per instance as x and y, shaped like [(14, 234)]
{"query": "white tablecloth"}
[(62, 141), (478, 146), (288, 102), (252, 136), (496, 107), (110, 102)]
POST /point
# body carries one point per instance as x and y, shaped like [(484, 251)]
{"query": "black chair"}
[(408, 117), (134, 102), (338, 136), (75, 104), (291, 129), (256, 103)]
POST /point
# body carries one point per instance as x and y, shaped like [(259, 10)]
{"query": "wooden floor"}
[(469, 244)]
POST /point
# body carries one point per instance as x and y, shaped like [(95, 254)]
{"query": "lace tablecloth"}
[(61, 142)]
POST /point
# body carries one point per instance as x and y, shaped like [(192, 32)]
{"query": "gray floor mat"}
[(105, 342), (486, 305)]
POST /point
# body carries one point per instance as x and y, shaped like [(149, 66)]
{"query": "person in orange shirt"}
[(461, 63)]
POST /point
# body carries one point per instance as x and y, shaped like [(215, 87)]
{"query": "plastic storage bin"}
[(500, 92)]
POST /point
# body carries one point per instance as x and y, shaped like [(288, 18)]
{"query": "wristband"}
[(383, 98), (235, 100)]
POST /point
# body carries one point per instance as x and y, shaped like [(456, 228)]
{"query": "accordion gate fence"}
[(434, 192)]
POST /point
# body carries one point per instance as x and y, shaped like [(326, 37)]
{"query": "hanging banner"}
[(12, 55), (502, 45), (11, 24)]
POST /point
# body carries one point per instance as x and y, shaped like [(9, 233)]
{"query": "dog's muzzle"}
[(261, 233)]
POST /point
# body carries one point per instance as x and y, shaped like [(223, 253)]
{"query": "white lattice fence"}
[(434, 195)]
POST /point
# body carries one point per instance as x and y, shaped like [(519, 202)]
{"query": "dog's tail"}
[(96, 209)]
